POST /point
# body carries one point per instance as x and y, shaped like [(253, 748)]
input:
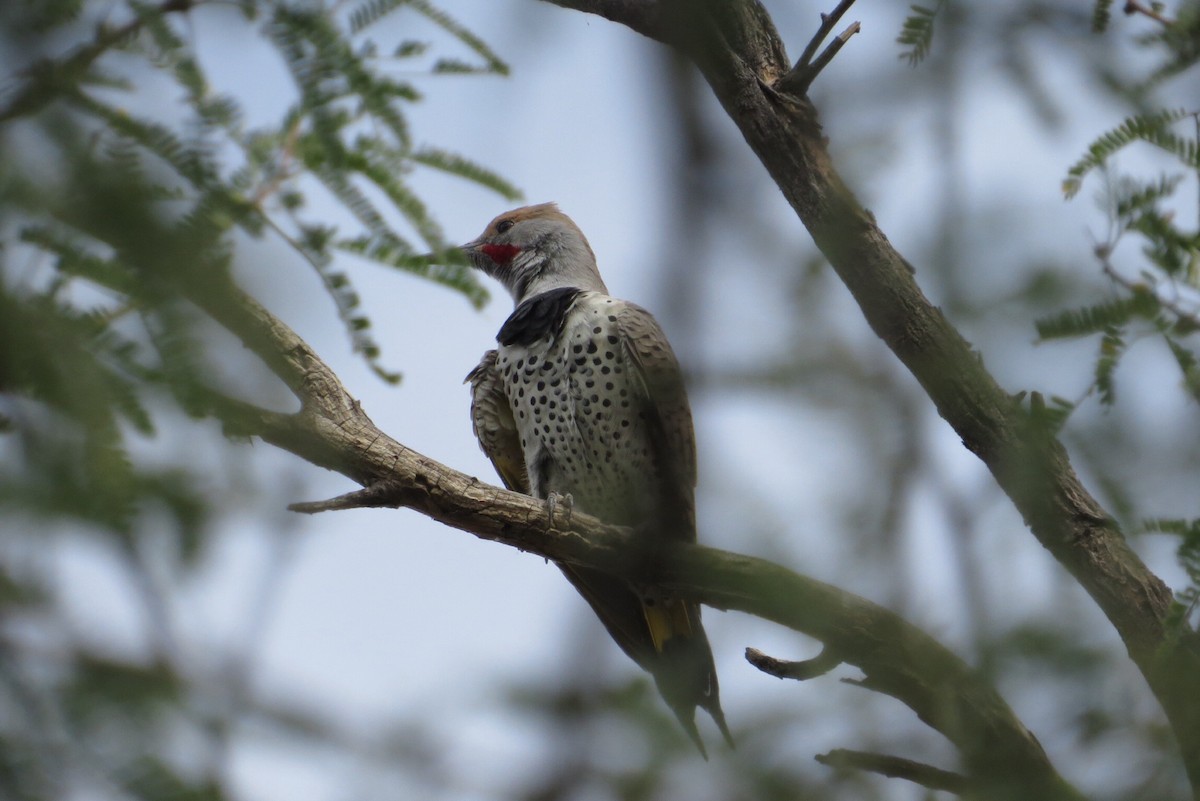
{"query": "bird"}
[(583, 402)]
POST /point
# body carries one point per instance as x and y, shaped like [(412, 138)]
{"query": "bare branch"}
[(828, 22), (383, 495), (804, 670), (897, 768), (802, 75), (1133, 7)]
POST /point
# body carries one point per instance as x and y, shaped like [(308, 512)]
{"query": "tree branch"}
[(643, 16), (736, 47), (828, 22), (332, 430), (897, 768), (803, 670)]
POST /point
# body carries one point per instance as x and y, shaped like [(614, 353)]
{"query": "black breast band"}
[(541, 316)]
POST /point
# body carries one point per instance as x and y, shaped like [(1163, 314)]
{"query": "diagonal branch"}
[(897, 768), (739, 53), (896, 658)]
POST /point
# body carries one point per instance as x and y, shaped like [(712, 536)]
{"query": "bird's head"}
[(534, 249)]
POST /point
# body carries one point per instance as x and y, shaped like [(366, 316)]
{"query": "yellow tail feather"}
[(666, 620)]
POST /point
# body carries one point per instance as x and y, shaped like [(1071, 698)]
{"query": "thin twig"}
[(801, 77), (802, 670), (1133, 7), (828, 22), (1181, 312), (897, 768), (381, 495)]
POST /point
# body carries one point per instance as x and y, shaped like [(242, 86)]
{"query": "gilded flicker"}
[(584, 398)]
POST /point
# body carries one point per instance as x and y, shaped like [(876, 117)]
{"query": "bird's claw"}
[(552, 502)]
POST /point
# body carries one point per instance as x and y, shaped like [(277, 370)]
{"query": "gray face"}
[(534, 249), (513, 252)]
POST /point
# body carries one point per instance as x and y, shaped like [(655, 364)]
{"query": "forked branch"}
[(801, 76), (897, 768)]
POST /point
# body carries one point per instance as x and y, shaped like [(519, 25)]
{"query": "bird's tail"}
[(684, 669), (713, 708)]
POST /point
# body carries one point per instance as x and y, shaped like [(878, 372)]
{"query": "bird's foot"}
[(552, 503)]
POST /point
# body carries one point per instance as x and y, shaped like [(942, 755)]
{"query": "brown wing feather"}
[(495, 427), (669, 418)]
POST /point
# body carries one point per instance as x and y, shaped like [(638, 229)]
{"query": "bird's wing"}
[(495, 427), (668, 416)]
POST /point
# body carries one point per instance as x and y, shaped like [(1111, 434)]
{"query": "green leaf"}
[(467, 170), (1112, 348), (1132, 197), (370, 12), (917, 33), (1188, 367), (493, 62), (1101, 317), (449, 267), (1152, 128)]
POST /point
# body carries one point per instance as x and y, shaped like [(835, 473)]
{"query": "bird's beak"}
[(471, 251)]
